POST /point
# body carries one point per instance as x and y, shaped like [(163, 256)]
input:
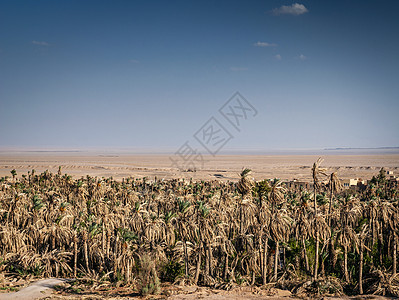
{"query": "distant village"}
[(348, 184)]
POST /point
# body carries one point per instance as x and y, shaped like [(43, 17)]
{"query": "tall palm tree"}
[(316, 172), (244, 187), (362, 236), (14, 174), (302, 230), (349, 215), (280, 227), (276, 195), (335, 187)]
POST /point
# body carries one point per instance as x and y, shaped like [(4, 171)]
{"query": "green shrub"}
[(172, 270), (149, 281)]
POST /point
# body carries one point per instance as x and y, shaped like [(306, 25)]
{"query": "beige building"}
[(353, 183), (299, 185), (393, 181)]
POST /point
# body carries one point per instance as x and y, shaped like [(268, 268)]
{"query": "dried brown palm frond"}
[(350, 212), (335, 183), (335, 187), (317, 171), (93, 280), (347, 236), (227, 286), (302, 224), (328, 286), (55, 263), (322, 227), (11, 239), (280, 225), (380, 282), (245, 184), (178, 250), (276, 195)]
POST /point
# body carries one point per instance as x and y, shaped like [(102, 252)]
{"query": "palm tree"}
[(394, 229), (244, 187), (316, 172), (14, 174), (362, 236), (280, 225), (302, 230), (335, 187), (183, 229), (276, 195), (349, 214), (66, 227)]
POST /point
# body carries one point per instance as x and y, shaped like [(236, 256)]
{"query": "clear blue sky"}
[(148, 74)]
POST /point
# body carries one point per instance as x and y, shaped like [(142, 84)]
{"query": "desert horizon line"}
[(172, 150)]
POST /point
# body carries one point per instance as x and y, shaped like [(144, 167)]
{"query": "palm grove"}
[(139, 233)]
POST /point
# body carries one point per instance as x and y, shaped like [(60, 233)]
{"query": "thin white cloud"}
[(40, 43), (295, 9), (236, 69), (302, 57), (278, 57), (265, 44)]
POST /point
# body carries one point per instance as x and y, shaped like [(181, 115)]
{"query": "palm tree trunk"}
[(104, 238), (395, 246), (346, 263), (276, 261), (210, 258), (207, 259), (185, 257), (260, 254), (226, 266), (241, 229), (265, 261), (361, 269), (315, 200), (331, 255), (86, 252), (306, 255), (127, 272), (52, 241), (316, 260), (75, 255), (198, 268), (330, 206), (108, 247)]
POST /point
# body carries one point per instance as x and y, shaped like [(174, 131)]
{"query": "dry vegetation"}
[(134, 234)]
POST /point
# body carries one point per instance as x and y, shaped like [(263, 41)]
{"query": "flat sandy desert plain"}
[(219, 167)]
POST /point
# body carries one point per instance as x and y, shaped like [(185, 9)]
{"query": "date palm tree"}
[(244, 187), (361, 237), (335, 186), (14, 174), (316, 172), (280, 226), (204, 232)]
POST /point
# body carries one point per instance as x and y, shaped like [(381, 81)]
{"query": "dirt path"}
[(36, 290)]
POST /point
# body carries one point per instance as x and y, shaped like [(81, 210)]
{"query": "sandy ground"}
[(44, 289), (36, 290), (222, 167)]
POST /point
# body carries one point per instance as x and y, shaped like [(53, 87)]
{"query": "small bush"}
[(171, 271), (149, 281)]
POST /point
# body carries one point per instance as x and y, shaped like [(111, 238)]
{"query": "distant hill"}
[(376, 148)]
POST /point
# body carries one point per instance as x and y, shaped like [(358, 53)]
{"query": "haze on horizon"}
[(148, 75)]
